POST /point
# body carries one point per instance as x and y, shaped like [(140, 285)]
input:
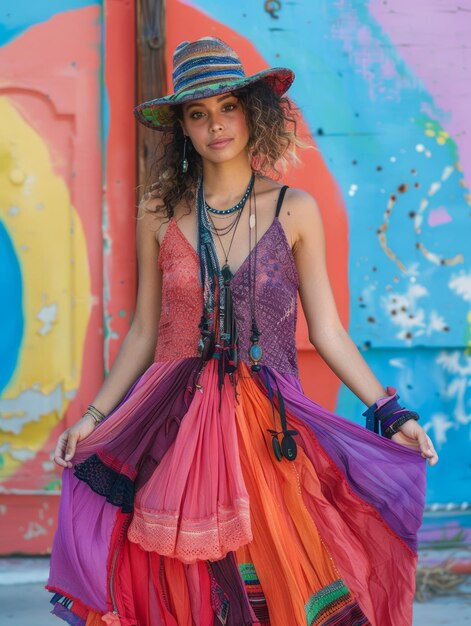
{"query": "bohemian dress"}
[(177, 511)]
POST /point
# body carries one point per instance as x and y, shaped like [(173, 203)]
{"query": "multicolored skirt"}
[(177, 512)]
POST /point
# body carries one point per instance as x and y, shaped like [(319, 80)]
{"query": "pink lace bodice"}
[(275, 302)]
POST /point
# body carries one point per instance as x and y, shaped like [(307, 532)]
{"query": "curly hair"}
[(272, 124)]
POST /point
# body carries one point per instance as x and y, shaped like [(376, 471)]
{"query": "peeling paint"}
[(22, 455), (34, 530), (47, 315), (29, 406)]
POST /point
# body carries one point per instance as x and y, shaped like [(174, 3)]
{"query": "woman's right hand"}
[(67, 442)]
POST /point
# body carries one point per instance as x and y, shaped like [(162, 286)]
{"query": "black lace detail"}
[(117, 488)]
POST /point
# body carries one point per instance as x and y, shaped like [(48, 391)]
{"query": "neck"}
[(225, 183)]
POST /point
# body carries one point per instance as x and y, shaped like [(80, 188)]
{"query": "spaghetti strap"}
[(280, 200)]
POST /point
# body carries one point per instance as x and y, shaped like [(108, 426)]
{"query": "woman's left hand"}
[(413, 435)]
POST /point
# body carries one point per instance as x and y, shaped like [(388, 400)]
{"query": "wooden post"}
[(151, 79)]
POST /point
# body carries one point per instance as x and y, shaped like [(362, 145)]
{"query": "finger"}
[(433, 458), (59, 450), (427, 448), (71, 444), (425, 443)]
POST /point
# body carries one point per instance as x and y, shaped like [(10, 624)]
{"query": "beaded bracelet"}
[(388, 412), (97, 415)]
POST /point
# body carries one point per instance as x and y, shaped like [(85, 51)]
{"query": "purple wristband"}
[(389, 413)]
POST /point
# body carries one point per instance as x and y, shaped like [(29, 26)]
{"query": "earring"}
[(185, 160)]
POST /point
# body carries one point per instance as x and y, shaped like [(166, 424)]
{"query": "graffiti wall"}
[(384, 103), (63, 201)]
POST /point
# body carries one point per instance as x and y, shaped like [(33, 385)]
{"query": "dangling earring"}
[(185, 160)]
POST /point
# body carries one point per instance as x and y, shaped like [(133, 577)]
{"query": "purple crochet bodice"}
[(275, 299)]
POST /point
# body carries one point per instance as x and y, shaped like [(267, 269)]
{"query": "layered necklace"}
[(221, 231), (219, 333), (218, 338)]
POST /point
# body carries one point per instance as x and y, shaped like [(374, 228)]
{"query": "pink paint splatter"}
[(438, 216)]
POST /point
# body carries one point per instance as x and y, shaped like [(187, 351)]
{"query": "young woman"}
[(216, 492)]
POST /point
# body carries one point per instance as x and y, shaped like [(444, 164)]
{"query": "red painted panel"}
[(58, 93)]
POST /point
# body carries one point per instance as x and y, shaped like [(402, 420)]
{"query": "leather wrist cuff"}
[(388, 412)]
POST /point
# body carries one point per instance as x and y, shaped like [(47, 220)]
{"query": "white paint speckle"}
[(461, 285), (47, 315), (353, 189), (447, 172), (434, 187), (34, 530), (420, 147), (411, 319), (399, 363), (436, 323)]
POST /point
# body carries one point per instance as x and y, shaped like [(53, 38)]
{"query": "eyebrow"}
[(220, 99)]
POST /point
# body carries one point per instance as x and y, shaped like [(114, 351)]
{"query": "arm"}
[(137, 349), (326, 332)]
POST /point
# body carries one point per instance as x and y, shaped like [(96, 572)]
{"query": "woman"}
[(216, 492)]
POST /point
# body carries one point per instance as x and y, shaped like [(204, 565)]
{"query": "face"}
[(217, 127)]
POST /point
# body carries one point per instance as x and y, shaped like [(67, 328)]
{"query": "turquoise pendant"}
[(255, 354)]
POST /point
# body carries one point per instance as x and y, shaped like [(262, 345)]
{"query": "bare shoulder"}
[(150, 217), (300, 203), (300, 215)]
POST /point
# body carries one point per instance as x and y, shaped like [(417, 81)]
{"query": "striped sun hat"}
[(201, 69)]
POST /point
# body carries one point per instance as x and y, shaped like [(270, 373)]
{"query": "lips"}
[(220, 143)]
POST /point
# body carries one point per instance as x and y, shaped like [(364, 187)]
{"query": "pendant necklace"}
[(255, 350), (226, 270)]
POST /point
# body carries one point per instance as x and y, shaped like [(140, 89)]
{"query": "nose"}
[(215, 123)]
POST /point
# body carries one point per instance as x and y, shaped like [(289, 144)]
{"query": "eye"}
[(196, 115), (230, 107)]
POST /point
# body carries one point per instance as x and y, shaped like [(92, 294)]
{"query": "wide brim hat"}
[(201, 69)]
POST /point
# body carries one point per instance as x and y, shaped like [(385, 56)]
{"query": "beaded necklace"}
[(236, 207), (218, 335)]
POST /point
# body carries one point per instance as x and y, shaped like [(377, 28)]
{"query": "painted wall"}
[(383, 101), (383, 95), (66, 194)]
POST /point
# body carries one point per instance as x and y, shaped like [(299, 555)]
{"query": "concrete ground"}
[(25, 602)]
